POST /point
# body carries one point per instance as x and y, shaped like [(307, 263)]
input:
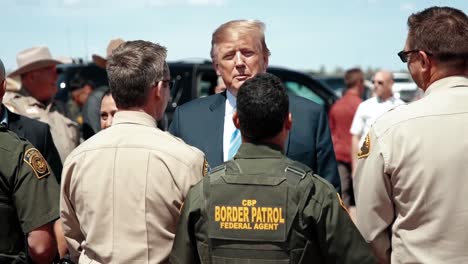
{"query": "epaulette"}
[(296, 172), (217, 171)]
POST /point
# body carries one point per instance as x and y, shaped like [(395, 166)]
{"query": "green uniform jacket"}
[(29, 195), (321, 228)]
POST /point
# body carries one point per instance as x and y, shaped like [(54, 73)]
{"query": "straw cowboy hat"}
[(113, 44), (33, 59)]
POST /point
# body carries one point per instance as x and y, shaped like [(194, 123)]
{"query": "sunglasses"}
[(170, 83), (404, 55)]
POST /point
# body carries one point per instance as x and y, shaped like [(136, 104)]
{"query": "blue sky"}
[(302, 34)]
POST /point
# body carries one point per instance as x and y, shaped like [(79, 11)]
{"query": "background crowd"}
[(114, 188)]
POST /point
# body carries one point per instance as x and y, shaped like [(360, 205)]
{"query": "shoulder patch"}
[(365, 148), (38, 164), (205, 167)]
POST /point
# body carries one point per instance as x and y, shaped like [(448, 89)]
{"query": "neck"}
[(440, 73), (277, 140), (27, 91), (232, 91), (385, 97), (136, 109), (353, 91)]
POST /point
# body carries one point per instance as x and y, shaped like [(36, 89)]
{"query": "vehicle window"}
[(402, 80), (301, 90), (205, 87), (206, 83)]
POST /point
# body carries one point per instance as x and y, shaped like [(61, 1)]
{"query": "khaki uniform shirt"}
[(65, 132), (411, 183), (122, 190), (29, 195)]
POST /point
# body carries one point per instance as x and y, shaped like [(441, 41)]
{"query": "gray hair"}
[(133, 68)]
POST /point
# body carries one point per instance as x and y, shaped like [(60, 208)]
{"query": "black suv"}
[(198, 79)]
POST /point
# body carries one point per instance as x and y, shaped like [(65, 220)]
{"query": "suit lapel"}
[(13, 120), (286, 143), (217, 108)]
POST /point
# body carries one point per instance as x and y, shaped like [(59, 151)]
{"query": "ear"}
[(216, 67), (426, 62), (288, 122), (157, 90), (266, 60), (235, 120), (88, 88)]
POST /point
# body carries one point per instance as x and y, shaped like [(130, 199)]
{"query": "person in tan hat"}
[(113, 44), (35, 99)]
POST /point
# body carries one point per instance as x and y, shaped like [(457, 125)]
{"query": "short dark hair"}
[(106, 92), (133, 68), (441, 31), (353, 76), (79, 81), (262, 107)]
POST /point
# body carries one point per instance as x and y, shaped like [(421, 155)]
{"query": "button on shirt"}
[(368, 111), (229, 127)]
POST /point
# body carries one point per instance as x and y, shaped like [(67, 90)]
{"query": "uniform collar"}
[(256, 151), (447, 82), (30, 101), (133, 117)]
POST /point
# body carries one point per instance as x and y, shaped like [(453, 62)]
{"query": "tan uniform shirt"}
[(411, 182), (65, 132), (122, 190)]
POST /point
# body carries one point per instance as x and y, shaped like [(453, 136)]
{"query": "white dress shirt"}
[(229, 127)]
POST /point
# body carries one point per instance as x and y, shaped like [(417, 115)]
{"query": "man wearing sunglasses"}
[(411, 183), (371, 109)]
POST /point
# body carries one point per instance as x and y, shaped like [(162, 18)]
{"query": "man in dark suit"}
[(239, 52), (36, 132)]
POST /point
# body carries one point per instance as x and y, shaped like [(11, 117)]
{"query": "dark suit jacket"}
[(38, 133), (200, 123)]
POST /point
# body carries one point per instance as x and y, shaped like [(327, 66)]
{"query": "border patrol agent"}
[(37, 70), (29, 202), (123, 188), (411, 183), (262, 207)]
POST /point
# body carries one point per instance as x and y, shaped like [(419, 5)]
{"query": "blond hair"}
[(242, 27)]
